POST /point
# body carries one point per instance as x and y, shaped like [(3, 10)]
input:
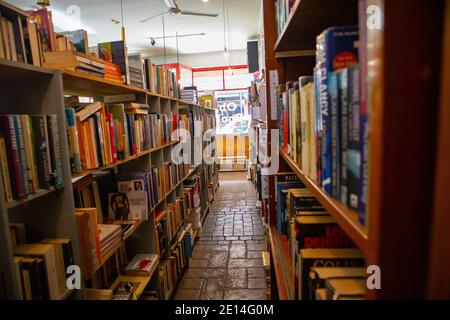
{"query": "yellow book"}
[(129, 288)]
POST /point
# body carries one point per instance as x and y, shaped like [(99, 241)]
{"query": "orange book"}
[(89, 145)]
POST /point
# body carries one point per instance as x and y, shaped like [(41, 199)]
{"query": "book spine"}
[(5, 171), (353, 152), (24, 170), (343, 95), (29, 152), (363, 124), (325, 113), (333, 101), (98, 137), (55, 154), (39, 142), (110, 123)]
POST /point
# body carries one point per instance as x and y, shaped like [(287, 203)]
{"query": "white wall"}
[(206, 59)]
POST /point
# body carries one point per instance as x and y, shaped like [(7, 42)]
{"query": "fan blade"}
[(201, 14), (153, 17), (171, 4)]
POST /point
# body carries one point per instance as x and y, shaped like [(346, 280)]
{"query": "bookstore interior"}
[(224, 150)]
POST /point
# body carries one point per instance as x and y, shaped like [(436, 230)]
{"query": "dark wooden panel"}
[(439, 269), (404, 133), (309, 18)]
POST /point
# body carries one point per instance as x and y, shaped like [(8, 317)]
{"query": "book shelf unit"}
[(402, 139), (27, 89), (45, 94)]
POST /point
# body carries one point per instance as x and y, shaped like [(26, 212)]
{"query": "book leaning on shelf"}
[(160, 79), (30, 154)]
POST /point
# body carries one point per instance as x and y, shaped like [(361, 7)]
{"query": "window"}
[(208, 80), (237, 78)]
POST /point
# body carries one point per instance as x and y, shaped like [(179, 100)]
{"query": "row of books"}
[(30, 154), (160, 79), (41, 268), (323, 125), (282, 11), (310, 230), (169, 222), (171, 268), (101, 135), (192, 189), (19, 38)]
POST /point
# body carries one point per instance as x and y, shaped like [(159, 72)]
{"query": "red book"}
[(9, 134)]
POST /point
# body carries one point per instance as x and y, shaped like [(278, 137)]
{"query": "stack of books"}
[(30, 154), (136, 68), (326, 133), (189, 94), (110, 236), (142, 265), (75, 61), (116, 52)]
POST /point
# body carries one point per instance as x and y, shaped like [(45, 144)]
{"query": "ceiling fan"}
[(174, 9)]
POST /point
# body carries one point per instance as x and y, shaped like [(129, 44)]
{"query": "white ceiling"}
[(96, 15)]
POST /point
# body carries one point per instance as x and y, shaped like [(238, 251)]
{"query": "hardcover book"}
[(309, 258)]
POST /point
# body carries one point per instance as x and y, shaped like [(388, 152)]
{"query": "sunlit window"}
[(208, 80)]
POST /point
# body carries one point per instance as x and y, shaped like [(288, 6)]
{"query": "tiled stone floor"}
[(227, 260)]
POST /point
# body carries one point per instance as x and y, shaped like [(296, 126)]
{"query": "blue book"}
[(353, 150), (75, 158), (336, 48), (333, 101), (343, 88), (282, 223)]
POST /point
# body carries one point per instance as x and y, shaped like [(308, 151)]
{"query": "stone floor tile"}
[(255, 272), (183, 294), (213, 290), (192, 284), (257, 283), (245, 295), (244, 263)]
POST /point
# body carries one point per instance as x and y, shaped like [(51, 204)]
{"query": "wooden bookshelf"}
[(345, 217), (281, 258), (405, 208), (308, 18), (26, 201), (121, 162)]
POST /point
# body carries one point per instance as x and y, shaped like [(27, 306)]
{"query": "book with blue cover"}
[(336, 48)]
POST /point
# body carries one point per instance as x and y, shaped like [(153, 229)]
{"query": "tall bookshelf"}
[(405, 77), (51, 213)]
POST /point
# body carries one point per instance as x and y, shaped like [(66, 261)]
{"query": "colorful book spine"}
[(333, 102), (24, 173), (55, 151), (343, 88), (9, 133), (42, 150)]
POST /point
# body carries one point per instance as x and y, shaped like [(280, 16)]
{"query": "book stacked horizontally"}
[(189, 94), (75, 61), (110, 236), (142, 265)]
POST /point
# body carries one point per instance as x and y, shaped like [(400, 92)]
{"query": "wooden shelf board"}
[(89, 85), (282, 265), (295, 54), (345, 217), (31, 197), (308, 18), (19, 70), (118, 163)]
